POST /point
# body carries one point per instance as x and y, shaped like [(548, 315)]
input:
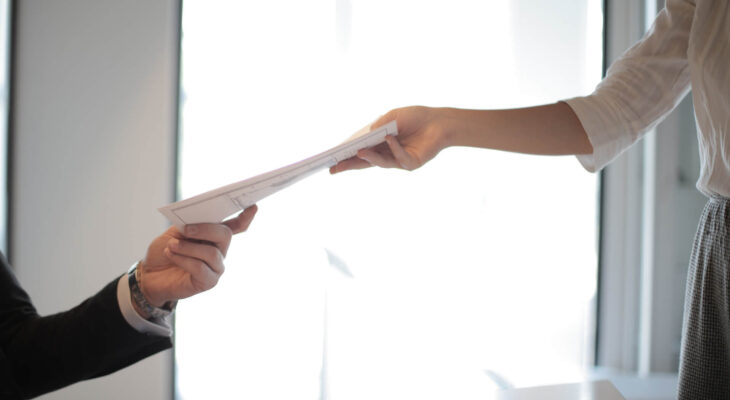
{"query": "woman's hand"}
[(552, 129), (180, 265), (422, 134)]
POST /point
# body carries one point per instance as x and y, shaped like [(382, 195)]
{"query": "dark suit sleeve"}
[(41, 354)]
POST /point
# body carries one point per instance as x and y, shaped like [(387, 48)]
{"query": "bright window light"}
[(475, 271)]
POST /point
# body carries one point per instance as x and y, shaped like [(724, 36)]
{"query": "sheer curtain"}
[(474, 272)]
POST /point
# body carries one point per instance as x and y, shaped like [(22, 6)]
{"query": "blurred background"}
[(481, 271)]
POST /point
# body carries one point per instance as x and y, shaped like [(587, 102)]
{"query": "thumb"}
[(384, 119), (241, 222)]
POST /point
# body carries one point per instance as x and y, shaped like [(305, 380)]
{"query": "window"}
[(477, 270), (4, 105)]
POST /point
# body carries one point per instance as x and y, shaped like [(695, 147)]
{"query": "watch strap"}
[(138, 297)]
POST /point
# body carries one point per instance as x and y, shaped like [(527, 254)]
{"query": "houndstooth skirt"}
[(704, 368)]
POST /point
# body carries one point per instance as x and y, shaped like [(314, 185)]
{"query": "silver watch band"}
[(141, 301)]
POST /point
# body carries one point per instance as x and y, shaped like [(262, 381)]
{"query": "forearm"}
[(552, 129), (88, 341)]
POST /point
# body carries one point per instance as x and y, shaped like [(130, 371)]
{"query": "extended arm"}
[(423, 132), (41, 354), (550, 129), (642, 87)]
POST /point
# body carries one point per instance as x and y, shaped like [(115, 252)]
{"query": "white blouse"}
[(688, 45)]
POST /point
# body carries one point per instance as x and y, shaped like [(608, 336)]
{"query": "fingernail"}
[(167, 252), (191, 229), (174, 244)]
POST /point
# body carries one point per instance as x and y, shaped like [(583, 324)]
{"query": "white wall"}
[(94, 110)]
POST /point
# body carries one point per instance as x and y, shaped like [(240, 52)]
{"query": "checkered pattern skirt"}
[(704, 369)]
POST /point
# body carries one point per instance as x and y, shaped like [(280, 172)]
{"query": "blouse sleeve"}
[(640, 88)]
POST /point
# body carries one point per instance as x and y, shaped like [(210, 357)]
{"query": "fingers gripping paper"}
[(215, 205)]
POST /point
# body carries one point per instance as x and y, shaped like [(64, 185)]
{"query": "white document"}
[(218, 204)]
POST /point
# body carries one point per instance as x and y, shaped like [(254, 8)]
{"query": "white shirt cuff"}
[(159, 327), (604, 150)]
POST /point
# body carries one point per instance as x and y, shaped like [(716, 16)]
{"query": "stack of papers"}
[(218, 204)]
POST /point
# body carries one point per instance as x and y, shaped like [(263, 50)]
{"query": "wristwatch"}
[(138, 297)]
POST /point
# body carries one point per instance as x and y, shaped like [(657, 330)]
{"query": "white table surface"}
[(595, 390)]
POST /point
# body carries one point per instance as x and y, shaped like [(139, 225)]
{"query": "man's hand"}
[(422, 134), (180, 265)]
